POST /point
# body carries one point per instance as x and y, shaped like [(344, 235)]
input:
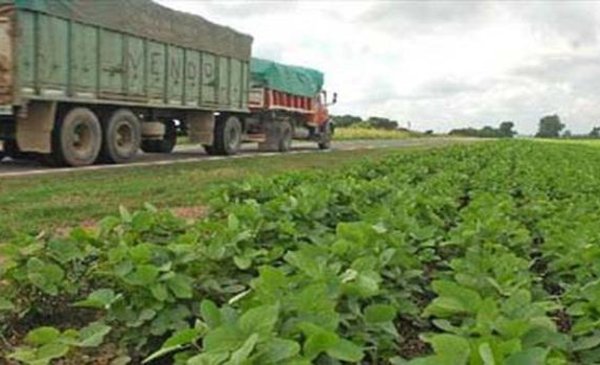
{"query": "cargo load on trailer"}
[(87, 81), (146, 18), (289, 79)]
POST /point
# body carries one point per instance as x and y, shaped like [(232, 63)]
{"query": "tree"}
[(550, 127), (346, 120), (382, 123), (506, 130), (567, 134), (488, 132), (595, 133), (503, 131)]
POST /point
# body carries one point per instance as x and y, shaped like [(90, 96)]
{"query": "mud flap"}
[(34, 130), (201, 126)]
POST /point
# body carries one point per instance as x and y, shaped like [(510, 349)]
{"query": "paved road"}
[(188, 153)]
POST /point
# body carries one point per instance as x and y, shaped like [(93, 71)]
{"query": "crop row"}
[(482, 254)]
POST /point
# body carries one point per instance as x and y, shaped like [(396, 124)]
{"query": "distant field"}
[(368, 133), (585, 142)]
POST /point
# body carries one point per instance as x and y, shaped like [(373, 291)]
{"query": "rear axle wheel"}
[(76, 138), (122, 137), (228, 136)]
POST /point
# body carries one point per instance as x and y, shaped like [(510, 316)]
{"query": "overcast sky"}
[(439, 65)]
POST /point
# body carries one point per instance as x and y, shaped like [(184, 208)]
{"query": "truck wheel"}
[(325, 138), (228, 136), (285, 136), (165, 145), (122, 137), (76, 138)]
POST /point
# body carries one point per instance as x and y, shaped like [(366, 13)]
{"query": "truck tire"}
[(228, 136), (76, 138), (325, 137), (165, 145), (286, 133), (121, 138)]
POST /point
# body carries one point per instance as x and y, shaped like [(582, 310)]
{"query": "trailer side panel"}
[(69, 61)]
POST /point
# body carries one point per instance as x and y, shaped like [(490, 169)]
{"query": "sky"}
[(434, 64)]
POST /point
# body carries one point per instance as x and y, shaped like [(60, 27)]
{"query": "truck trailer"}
[(87, 81)]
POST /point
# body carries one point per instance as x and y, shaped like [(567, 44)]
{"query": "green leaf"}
[(181, 286), (309, 260), (242, 354), (159, 292), (141, 254), (210, 313), (586, 343), (101, 299), (367, 284), (233, 223), (224, 338), (276, 350), (451, 348), (213, 358), (183, 337), (397, 360), (93, 335), (318, 339), (242, 262), (486, 353), (379, 313), (49, 352), (64, 251), (346, 351), (452, 299), (144, 275), (41, 356), (6, 305), (45, 276), (125, 215), (532, 356), (260, 319), (177, 341), (42, 335)]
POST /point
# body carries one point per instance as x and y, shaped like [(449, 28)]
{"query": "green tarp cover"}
[(148, 19), (290, 79)]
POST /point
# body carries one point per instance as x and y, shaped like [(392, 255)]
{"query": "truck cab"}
[(288, 102)]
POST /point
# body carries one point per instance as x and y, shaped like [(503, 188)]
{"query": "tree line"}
[(549, 126), (504, 130), (372, 122)]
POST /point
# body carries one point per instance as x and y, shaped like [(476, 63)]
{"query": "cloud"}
[(401, 17), (574, 21), (438, 64)]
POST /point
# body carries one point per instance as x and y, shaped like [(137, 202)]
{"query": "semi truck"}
[(87, 81)]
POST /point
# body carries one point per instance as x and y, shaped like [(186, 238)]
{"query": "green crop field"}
[(32, 204), (481, 254)]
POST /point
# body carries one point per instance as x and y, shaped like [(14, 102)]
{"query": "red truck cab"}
[(288, 102)]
